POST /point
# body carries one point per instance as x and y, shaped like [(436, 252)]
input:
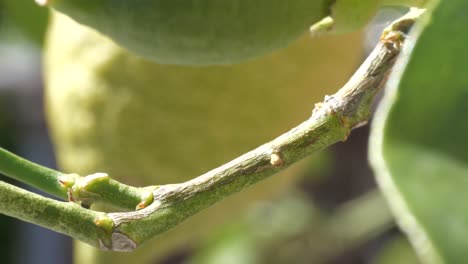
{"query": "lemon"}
[(148, 124), (197, 32)]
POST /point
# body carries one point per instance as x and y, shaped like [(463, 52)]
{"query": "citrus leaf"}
[(29, 17), (419, 143)]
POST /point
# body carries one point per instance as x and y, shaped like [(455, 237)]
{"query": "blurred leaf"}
[(29, 17), (234, 244), (419, 145), (251, 238), (292, 229)]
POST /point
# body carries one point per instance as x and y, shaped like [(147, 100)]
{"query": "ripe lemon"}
[(148, 124)]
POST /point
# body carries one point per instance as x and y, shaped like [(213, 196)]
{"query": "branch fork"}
[(155, 209)]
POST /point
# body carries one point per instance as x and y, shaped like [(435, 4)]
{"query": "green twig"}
[(86, 190), (63, 217), (331, 122), (33, 174)]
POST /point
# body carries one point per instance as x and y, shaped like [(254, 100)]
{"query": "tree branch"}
[(331, 122), (33, 174)]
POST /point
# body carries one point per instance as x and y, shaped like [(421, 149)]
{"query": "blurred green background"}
[(338, 216)]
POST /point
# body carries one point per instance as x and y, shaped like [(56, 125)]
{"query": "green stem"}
[(95, 188), (100, 188), (32, 174), (63, 217)]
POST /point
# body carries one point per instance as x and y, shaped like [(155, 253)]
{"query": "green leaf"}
[(29, 17), (419, 143)]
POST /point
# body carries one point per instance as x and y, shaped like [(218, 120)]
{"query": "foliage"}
[(420, 137)]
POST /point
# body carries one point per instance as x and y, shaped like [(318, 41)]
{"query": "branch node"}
[(276, 160), (105, 223), (79, 192), (68, 180), (105, 227), (147, 198), (323, 108)]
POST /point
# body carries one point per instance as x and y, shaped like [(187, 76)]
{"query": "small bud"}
[(276, 160), (104, 222), (147, 199)]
